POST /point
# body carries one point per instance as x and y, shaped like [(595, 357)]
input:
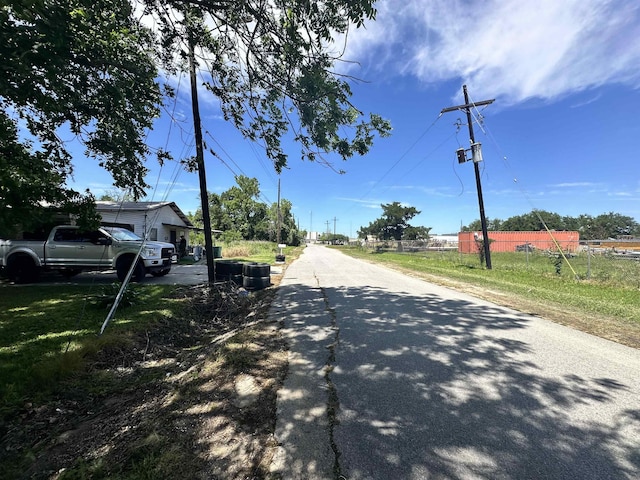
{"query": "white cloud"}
[(432, 191), (574, 185), (375, 204), (511, 49)]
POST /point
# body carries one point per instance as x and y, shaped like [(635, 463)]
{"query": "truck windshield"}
[(121, 234)]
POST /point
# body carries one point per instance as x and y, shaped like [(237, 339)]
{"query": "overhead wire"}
[(235, 174), (400, 158), (485, 129), (229, 157)]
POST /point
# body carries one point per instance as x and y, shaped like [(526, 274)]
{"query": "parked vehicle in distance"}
[(525, 247), (70, 251)]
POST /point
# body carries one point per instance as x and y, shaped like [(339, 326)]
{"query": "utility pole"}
[(334, 226), (328, 231), (279, 227), (204, 196), (477, 157)]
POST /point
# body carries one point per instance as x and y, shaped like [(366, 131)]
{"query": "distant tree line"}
[(240, 215), (606, 225), (334, 238)]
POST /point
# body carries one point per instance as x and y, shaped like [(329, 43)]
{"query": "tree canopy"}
[(393, 225), (240, 215), (272, 65), (71, 69), (606, 225), (87, 71)]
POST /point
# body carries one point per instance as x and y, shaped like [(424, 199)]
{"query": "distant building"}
[(446, 241), (624, 243)]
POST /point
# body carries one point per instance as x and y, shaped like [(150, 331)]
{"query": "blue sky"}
[(560, 135)]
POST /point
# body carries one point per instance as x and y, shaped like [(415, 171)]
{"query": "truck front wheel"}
[(122, 268), (22, 269)]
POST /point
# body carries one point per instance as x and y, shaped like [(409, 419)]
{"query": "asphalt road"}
[(395, 378), (180, 275)]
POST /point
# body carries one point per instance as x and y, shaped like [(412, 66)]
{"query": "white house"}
[(162, 221)]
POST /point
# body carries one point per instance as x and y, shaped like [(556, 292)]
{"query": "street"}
[(193, 274), (393, 377)]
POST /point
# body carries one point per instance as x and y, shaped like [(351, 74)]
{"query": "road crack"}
[(333, 403)]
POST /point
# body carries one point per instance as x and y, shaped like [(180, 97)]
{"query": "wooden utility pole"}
[(204, 196), (279, 220), (467, 109)]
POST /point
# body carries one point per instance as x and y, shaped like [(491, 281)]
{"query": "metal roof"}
[(103, 206)]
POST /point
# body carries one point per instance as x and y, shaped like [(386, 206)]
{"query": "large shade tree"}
[(87, 71), (394, 224), (71, 70)]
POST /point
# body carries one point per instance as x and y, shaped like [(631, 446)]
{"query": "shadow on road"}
[(433, 388)]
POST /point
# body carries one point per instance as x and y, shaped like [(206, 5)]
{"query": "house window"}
[(153, 234)]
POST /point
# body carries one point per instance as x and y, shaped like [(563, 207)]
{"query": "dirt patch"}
[(193, 398)]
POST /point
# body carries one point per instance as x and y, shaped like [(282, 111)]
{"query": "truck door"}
[(93, 249), (61, 249), (73, 248)]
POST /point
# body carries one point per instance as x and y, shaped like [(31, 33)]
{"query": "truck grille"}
[(167, 252)]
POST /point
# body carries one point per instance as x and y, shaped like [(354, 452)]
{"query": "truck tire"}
[(122, 268), (256, 283), (256, 270), (22, 269), (226, 268)]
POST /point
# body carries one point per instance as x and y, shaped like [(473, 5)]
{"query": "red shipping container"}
[(568, 241)]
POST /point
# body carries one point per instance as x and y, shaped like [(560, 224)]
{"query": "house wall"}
[(134, 219), (167, 233), (507, 241)]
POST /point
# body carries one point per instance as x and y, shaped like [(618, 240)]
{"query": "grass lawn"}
[(49, 333), (111, 405)]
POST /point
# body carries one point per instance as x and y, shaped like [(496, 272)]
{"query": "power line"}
[(235, 174), (402, 156), (395, 164)]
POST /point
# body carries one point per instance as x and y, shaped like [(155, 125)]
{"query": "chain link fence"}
[(588, 261)]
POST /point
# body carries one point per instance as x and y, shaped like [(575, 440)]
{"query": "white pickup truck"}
[(70, 250)]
